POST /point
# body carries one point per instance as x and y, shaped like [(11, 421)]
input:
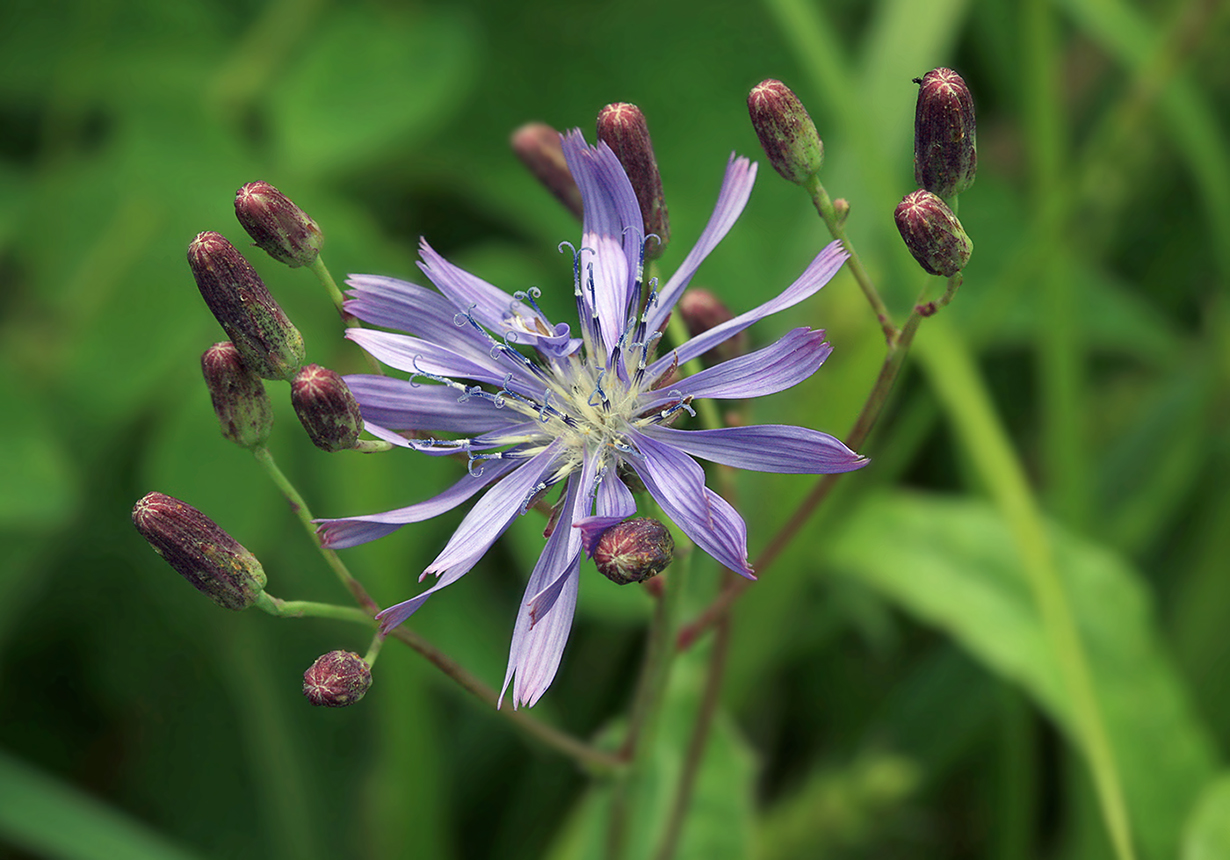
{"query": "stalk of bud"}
[(337, 679), (269, 344), (240, 402), (215, 563), (541, 149), (702, 310), (945, 134), (634, 550), (277, 226), (326, 408), (785, 130), (932, 233), (623, 128)]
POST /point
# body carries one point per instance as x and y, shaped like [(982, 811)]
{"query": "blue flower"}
[(583, 412)]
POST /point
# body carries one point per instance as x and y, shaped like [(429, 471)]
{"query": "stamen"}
[(682, 404)]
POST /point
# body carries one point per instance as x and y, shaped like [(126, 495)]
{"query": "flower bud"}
[(933, 234), (277, 226), (785, 130), (213, 561), (702, 310), (541, 149), (634, 550), (623, 128), (337, 679), (238, 395), (945, 134), (326, 408), (269, 344)]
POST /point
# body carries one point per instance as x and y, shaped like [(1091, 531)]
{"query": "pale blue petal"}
[(736, 188), (822, 268), (764, 448), (397, 304), (794, 357), (352, 531), (402, 405), (677, 483)]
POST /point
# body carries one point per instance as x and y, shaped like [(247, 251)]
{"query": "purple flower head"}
[(589, 405)]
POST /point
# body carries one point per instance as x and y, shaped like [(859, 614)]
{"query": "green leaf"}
[(1207, 835), (952, 564), (45, 816), (719, 822)]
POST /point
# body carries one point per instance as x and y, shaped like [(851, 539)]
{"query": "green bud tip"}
[(337, 679), (277, 226), (634, 550), (541, 149), (945, 134), (702, 310), (240, 402), (326, 408), (785, 130), (215, 563), (932, 233), (269, 344), (623, 128)]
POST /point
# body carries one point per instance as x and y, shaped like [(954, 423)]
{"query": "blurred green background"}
[(890, 692)]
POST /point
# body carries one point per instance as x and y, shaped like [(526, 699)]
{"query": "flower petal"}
[(764, 448), (794, 357), (352, 531), (398, 304), (613, 230), (677, 483), (822, 268), (487, 520), (736, 188), (402, 405), (541, 631)]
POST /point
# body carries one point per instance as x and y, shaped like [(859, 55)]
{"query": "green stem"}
[(310, 609), (646, 707), (837, 228), (956, 381), (299, 506), (321, 271)]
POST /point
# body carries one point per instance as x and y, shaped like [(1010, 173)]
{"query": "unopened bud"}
[(785, 130), (326, 408), (945, 134), (702, 310), (269, 344), (277, 226), (337, 679), (841, 208), (933, 234), (541, 149), (634, 550), (215, 563), (238, 395), (623, 128)]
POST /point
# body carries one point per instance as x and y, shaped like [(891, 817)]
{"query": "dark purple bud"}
[(240, 402), (634, 550), (945, 134), (623, 128), (541, 149), (337, 679), (785, 130), (213, 561), (326, 408), (269, 344), (702, 310), (933, 234), (277, 226)]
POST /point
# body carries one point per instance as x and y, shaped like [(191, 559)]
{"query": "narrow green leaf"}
[(42, 815), (1207, 835), (952, 564)]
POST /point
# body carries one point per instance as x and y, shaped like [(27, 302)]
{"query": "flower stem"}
[(299, 506), (837, 228), (309, 609), (646, 706)]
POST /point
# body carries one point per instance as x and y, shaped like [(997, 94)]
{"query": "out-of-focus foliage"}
[(888, 693)]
